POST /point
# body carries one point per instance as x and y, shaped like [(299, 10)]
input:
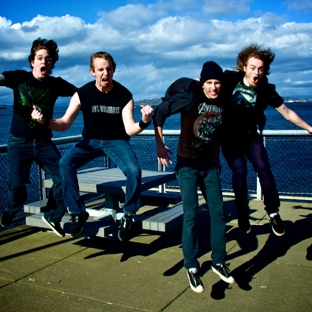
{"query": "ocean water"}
[(290, 158), (274, 120)]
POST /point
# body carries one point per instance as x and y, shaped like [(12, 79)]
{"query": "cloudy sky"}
[(156, 42)]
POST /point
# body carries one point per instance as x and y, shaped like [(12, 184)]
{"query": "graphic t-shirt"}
[(200, 128), (29, 91), (245, 106), (242, 109), (102, 111)]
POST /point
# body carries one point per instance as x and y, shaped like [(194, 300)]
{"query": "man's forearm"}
[(58, 125)]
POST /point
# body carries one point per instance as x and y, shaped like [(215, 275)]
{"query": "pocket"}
[(16, 140)]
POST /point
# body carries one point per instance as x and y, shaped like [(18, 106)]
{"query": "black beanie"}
[(211, 70)]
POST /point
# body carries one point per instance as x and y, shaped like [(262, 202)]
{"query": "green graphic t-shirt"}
[(29, 91)]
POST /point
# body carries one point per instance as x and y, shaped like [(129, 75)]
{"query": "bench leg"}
[(112, 201)]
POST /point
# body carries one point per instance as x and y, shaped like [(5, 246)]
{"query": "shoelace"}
[(75, 218), (225, 266)]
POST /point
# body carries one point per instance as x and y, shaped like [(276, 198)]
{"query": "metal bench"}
[(111, 184), (41, 205), (164, 221)]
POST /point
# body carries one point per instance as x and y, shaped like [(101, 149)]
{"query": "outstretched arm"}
[(292, 117), (63, 123), (132, 127)]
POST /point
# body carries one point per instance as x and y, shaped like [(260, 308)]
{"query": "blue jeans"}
[(21, 153), (189, 178), (236, 156), (119, 151)]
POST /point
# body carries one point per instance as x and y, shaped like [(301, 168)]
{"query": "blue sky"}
[(156, 42)]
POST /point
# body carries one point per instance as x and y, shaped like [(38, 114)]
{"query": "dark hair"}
[(257, 51), (103, 55), (49, 45)]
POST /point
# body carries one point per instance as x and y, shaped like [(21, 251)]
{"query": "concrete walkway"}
[(41, 272)]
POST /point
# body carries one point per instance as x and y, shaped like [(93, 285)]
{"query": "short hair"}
[(103, 55), (49, 45), (257, 51)]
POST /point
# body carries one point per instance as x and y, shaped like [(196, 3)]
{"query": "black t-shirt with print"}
[(200, 128), (244, 112), (29, 91), (102, 111)]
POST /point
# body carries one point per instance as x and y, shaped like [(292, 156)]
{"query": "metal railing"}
[(289, 154)]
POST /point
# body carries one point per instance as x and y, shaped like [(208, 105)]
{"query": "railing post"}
[(42, 176), (259, 190), (162, 187)]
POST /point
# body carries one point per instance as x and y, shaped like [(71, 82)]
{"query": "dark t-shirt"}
[(244, 113), (200, 129), (102, 111), (201, 118), (29, 91)]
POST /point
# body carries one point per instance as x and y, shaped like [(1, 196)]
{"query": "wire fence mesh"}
[(289, 156)]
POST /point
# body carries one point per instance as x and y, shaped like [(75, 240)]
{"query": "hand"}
[(163, 157), (146, 111), (37, 115)]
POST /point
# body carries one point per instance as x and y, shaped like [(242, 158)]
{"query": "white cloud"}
[(177, 5), (4, 22), (130, 18), (226, 7), (299, 5), (152, 49)]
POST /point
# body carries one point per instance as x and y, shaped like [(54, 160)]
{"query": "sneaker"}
[(224, 272), (55, 227), (77, 222), (6, 218), (277, 225), (125, 228), (195, 282), (243, 224)]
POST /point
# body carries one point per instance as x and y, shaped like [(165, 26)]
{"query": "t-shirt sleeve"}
[(10, 78), (65, 88), (270, 96), (277, 100)]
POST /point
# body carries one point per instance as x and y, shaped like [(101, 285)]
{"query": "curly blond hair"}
[(257, 51)]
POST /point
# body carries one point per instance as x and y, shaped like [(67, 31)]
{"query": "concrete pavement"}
[(41, 272)]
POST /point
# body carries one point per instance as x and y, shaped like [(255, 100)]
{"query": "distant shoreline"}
[(156, 102)]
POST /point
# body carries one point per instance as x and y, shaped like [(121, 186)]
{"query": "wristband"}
[(144, 125)]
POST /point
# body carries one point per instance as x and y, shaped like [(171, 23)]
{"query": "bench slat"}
[(164, 221), (40, 205), (93, 227)]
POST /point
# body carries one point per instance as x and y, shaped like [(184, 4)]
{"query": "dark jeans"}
[(119, 151), (189, 179), (21, 153), (236, 156)]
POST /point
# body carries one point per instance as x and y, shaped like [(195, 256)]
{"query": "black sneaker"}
[(77, 222), (195, 282), (277, 225), (6, 218), (125, 228), (55, 227), (224, 272), (243, 224)]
